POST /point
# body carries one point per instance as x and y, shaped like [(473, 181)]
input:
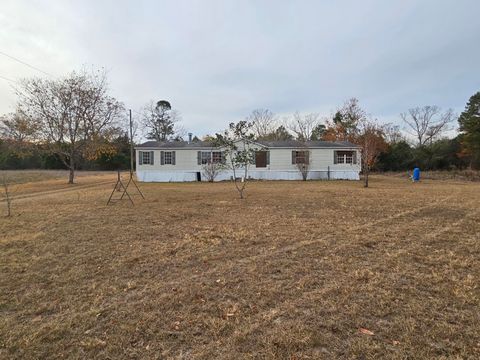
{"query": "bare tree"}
[(427, 123), (160, 121), (393, 134), (303, 125), (263, 121), (211, 170), (372, 141), (235, 143), (8, 198), (73, 112)]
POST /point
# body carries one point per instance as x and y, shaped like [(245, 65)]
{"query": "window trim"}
[(211, 156), (143, 156), (305, 157), (219, 159), (267, 158), (345, 157), (205, 157), (170, 154)]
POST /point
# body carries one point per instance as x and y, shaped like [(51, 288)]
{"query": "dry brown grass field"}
[(298, 270)]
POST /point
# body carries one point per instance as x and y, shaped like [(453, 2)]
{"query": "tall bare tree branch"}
[(73, 112), (263, 121), (303, 125), (427, 123)]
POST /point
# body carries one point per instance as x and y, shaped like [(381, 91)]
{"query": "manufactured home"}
[(179, 161)]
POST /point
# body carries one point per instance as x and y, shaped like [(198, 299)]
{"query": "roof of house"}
[(176, 144), (293, 144), (308, 144)]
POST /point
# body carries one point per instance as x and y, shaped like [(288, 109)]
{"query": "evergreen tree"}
[(160, 121), (280, 133), (344, 125), (398, 156), (318, 132), (469, 122)]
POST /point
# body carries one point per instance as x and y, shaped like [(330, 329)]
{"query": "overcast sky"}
[(215, 61)]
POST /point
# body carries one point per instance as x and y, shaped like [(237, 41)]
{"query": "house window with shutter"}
[(345, 157), (168, 158), (146, 157), (300, 157), (206, 157)]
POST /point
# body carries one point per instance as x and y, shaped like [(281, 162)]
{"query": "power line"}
[(5, 78), (24, 63)]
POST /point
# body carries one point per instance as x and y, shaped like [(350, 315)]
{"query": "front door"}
[(261, 159)]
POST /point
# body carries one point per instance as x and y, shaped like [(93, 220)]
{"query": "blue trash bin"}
[(416, 174)]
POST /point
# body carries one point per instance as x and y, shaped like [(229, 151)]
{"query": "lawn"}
[(298, 270)]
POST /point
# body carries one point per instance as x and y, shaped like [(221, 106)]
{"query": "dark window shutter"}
[(151, 158), (268, 157), (199, 157), (354, 157), (140, 158), (293, 157), (307, 157), (173, 157), (335, 160), (162, 158)]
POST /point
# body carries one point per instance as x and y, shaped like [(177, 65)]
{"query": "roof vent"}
[(190, 138)]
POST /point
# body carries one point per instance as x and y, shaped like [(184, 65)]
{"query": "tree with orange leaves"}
[(371, 138), (350, 123), (344, 124)]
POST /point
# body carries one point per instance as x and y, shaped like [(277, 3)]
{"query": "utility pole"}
[(131, 143), (119, 185)]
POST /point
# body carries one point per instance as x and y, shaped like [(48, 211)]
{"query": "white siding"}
[(185, 176), (320, 160), (280, 168), (185, 159)]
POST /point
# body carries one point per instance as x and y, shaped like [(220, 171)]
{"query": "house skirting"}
[(186, 176)]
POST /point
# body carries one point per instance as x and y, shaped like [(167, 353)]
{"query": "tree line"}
[(420, 142), (74, 123)]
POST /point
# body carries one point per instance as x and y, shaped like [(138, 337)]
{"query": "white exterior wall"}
[(280, 168), (185, 159)]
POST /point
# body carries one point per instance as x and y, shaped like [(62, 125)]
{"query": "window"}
[(300, 157), (217, 157), (168, 158), (345, 157), (206, 157), (261, 159), (145, 158)]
